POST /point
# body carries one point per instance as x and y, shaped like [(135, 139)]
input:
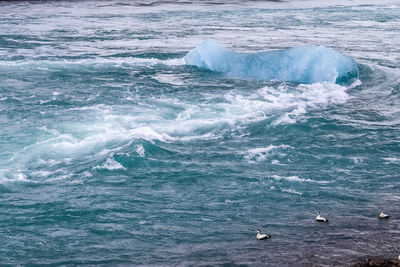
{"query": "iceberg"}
[(305, 64)]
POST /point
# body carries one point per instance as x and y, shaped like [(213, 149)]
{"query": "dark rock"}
[(378, 263)]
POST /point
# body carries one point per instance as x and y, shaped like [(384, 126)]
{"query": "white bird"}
[(261, 236), (320, 219), (383, 215)]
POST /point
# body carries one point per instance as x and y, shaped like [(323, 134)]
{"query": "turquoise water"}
[(113, 151)]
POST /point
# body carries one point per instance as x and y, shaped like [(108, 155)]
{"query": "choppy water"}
[(114, 151)]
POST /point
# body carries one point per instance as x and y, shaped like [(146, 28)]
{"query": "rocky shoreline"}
[(378, 262)]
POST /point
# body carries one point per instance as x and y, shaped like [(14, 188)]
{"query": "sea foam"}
[(306, 64)]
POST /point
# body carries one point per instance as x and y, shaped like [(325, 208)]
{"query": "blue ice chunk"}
[(306, 64)]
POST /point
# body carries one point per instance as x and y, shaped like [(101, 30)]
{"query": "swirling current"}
[(115, 152)]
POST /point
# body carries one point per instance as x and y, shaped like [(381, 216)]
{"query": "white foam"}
[(59, 177), (140, 150), (169, 79), (262, 153), (147, 133), (293, 178), (101, 129), (306, 97), (47, 100), (7, 176), (20, 177), (87, 174), (392, 160), (124, 62), (296, 178), (110, 165), (100, 107), (292, 191), (49, 162), (51, 131), (41, 173), (357, 160)]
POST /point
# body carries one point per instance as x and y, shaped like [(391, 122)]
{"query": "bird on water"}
[(261, 236), (383, 215), (320, 219)]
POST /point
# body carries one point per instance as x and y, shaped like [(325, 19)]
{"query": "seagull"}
[(320, 219), (261, 236), (383, 215)]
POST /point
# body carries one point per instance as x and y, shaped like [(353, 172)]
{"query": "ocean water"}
[(115, 152)]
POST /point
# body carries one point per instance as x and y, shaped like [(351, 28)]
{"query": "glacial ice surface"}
[(306, 64)]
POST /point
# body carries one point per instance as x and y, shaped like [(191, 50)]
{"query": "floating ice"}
[(307, 64)]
